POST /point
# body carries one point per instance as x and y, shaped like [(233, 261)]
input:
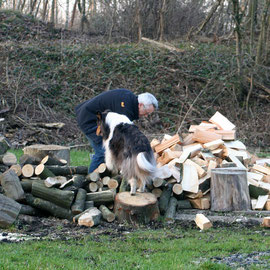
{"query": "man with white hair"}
[(121, 101)]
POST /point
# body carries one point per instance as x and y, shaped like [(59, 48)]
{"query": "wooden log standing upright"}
[(139, 209), (229, 190)]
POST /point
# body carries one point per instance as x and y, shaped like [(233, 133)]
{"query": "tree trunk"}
[(139, 209), (229, 190)]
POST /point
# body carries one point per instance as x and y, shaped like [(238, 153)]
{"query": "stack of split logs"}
[(204, 169)]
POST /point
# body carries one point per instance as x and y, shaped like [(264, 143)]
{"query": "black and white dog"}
[(126, 150)]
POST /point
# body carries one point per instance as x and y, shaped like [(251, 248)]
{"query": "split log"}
[(68, 170), (101, 197), (9, 210), (12, 185), (43, 172), (190, 180), (59, 197), (173, 140), (28, 170), (78, 206), (4, 145), (203, 222), (91, 218), (51, 160), (27, 159), (201, 203), (204, 136), (229, 190), (171, 210), (50, 207), (106, 213), (8, 159), (221, 121), (139, 209), (56, 181), (40, 151), (266, 222)]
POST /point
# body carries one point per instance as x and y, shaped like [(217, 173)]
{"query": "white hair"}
[(148, 99)]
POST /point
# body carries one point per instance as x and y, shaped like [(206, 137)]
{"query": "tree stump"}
[(9, 210), (229, 190), (139, 209), (41, 151)]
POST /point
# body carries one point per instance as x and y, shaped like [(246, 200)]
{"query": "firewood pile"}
[(43, 183)]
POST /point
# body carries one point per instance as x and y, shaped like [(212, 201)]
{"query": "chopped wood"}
[(261, 169), (4, 145), (91, 218), (177, 189), (105, 180), (161, 147), (11, 185), (168, 155), (49, 160), (203, 136), (9, 210), (176, 147), (78, 205), (255, 176), (226, 135), (56, 181), (27, 159), (154, 143), (213, 145), (262, 199), (106, 213), (201, 162), (159, 182), (93, 176), (266, 222), (229, 190), (201, 172), (267, 205), (201, 203), (43, 172), (221, 121), (157, 192), (139, 209), (28, 170), (188, 139), (17, 169), (101, 196), (235, 144), (113, 184), (93, 187), (203, 222), (238, 163), (171, 210), (164, 172), (68, 170), (8, 159), (190, 180)]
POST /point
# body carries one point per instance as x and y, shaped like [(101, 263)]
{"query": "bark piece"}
[(9, 210), (229, 190), (139, 209), (12, 185), (203, 222)]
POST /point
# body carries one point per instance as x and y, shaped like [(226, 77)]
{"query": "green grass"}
[(169, 248)]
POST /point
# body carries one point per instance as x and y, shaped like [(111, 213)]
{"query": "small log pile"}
[(208, 168)]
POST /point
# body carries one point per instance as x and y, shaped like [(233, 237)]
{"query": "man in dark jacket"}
[(121, 101)]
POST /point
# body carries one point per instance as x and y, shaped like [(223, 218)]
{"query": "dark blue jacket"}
[(121, 101)]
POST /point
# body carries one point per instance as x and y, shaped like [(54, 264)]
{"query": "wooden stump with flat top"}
[(229, 190), (139, 209), (55, 151)]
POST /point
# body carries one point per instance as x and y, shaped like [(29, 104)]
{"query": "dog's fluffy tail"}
[(147, 162)]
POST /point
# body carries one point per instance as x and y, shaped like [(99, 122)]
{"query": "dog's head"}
[(103, 128)]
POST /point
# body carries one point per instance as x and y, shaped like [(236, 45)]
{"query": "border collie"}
[(126, 150)]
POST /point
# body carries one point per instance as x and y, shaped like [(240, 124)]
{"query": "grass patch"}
[(175, 248)]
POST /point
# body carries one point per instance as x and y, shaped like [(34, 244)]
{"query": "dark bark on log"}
[(29, 210), (26, 159), (164, 199), (88, 204), (48, 160), (68, 170), (4, 145), (78, 206), (12, 185), (171, 210), (101, 197), (59, 197), (50, 207), (139, 209), (3, 168), (9, 210), (27, 185), (229, 190)]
